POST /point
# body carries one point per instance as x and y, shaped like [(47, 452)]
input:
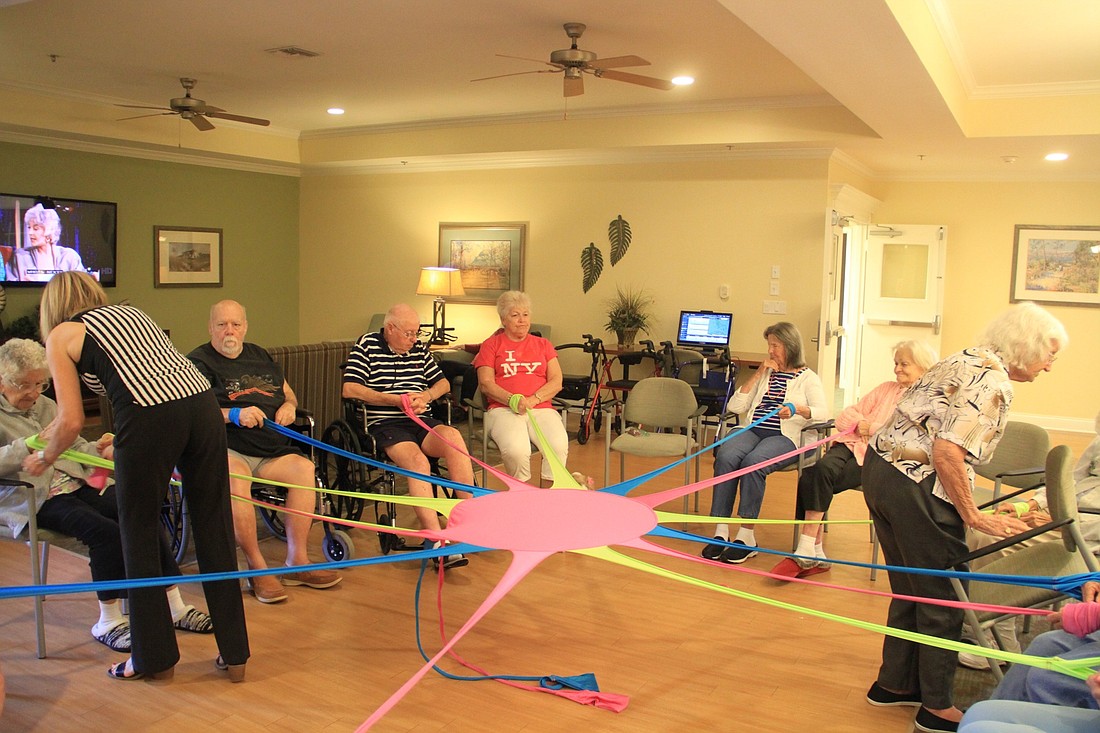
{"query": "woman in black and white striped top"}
[(166, 417)]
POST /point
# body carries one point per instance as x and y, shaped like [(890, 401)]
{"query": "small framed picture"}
[(1057, 265), (187, 257)]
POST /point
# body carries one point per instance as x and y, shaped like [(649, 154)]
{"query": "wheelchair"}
[(344, 474), (336, 545)]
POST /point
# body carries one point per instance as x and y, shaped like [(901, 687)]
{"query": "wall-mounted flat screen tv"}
[(42, 236)]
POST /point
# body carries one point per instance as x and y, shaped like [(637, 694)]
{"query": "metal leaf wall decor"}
[(618, 234), (591, 265)]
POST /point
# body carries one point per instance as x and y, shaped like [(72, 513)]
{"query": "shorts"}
[(255, 463), (400, 430)]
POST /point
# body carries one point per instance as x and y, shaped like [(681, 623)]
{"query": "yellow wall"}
[(980, 219), (695, 226)]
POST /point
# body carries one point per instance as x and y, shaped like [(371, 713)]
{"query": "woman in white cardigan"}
[(781, 379)]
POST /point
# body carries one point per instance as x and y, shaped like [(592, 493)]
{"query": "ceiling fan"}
[(193, 109), (576, 61)]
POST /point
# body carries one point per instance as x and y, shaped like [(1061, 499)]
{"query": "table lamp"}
[(440, 282)]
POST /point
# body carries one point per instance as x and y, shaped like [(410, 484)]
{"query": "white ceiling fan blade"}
[(518, 73), (618, 61), (236, 118), (524, 58), (645, 81), (143, 106), (138, 117)]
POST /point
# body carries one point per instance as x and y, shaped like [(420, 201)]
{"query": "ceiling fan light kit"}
[(573, 62)]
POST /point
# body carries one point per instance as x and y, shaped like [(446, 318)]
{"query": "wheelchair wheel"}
[(582, 432), (337, 546), (342, 473), (274, 521), (176, 520)]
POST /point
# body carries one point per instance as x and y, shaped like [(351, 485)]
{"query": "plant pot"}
[(626, 338)]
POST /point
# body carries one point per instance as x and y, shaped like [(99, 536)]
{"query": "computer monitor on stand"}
[(708, 331)]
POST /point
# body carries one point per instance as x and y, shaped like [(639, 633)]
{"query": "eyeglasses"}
[(32, 387), (406, 334)]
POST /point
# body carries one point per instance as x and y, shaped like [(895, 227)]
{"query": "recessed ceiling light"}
[(336, 110), (1057, 156), (683, 81)]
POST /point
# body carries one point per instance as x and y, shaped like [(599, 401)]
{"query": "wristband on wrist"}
[(235, 416)]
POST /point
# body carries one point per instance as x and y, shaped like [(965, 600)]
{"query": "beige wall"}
[(695, 226), (980, 219)]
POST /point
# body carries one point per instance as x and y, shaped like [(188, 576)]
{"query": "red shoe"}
[(787, 568)]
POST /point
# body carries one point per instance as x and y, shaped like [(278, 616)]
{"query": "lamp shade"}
[(440, 282)]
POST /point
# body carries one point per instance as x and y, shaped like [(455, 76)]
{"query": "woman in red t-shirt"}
[(519, 374)]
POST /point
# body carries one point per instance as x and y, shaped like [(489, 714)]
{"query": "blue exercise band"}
[(235, 416)]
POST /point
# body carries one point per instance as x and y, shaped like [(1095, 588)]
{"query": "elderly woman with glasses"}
[(918, 480), (65, 495)]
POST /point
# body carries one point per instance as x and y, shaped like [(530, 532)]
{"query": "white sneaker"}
[(976, 661)]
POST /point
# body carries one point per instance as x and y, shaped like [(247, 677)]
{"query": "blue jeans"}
[(1005, 716), (747, 449), (1032, 684)]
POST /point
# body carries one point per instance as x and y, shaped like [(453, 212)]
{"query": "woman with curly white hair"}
[(41, 256), (918, 480)]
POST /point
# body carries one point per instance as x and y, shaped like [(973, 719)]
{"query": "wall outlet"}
[(773, 288), (775, 272), (775, 307), (724, 292)]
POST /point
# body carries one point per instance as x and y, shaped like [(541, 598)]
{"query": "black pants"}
[(836, 471), (917, 530), (188, 434), (92, 518)]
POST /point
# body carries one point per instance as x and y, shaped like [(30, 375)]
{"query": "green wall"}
[(257, 212)]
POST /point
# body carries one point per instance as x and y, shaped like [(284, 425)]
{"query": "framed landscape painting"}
[(490, 257), (1056, 265)]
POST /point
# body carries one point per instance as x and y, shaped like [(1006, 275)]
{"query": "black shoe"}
[(932, 723), (882, 697), (713, 550), (739, 554)]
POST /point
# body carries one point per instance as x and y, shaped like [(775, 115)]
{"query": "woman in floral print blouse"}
[(918, 481)]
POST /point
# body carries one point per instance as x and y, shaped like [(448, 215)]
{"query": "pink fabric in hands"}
[(97, 479), (1081, 619)]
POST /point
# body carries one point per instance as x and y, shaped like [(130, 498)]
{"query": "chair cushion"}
[(653, 444)]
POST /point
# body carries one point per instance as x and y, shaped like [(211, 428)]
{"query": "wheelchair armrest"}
[(16, 482), (1009, 542)]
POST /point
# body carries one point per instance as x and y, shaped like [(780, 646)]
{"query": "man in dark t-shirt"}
[(250, 389)]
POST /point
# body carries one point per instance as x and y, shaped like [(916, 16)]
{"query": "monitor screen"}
[(41, 236), (704, 329)]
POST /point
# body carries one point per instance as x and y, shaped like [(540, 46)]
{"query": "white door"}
[(902, 295), (830, 332)]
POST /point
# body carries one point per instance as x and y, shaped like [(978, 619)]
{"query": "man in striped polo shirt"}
[(382, 368)]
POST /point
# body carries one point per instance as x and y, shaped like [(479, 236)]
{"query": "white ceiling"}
[(963, 83)]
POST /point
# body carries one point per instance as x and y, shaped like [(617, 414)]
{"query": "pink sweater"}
[(876, 407)]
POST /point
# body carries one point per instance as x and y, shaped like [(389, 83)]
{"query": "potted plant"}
[(628, 312)]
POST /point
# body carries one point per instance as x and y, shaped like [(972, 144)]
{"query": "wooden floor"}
[(689, 658)]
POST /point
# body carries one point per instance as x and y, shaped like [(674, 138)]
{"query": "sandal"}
[(236, 671), (117, 638), (195, 621), (125, 671)]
